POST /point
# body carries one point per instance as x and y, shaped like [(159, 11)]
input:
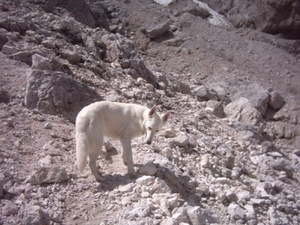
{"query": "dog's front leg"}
[(127, 154)]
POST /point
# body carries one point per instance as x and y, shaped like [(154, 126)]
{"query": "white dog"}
[(117, 120)]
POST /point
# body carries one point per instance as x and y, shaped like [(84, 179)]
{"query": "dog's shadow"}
[(114, 180)]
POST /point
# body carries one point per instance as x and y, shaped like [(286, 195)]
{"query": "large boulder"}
[(56, 93), (79, 9), (256, 94), (243, 111), (268, 16)]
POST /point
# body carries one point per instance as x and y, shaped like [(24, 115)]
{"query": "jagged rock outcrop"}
[(57, 94), (275, 17)]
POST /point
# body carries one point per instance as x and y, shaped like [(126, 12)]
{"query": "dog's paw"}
[(99, 178), (131, 172), (132, 175)]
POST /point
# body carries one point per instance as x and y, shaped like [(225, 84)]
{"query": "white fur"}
[(117, 120)]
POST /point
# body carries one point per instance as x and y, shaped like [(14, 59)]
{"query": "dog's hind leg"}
[(127, 154), (93, 155)]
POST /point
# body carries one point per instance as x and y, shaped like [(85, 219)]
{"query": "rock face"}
[(242, 110), (57, 94), (268, 16), (79, 9)]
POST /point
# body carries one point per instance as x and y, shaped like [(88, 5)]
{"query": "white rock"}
[(126, 188), (168, 221), (160, 186), (145, 180), (236, 211), (195, 216), (47, 160), (250, 212), (181, 216), (148, 169), (126, 200)]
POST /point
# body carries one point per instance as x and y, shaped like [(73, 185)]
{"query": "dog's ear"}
[(165, 117), (152, 111)]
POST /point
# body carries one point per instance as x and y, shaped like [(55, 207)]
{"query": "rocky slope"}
[(229, 154)]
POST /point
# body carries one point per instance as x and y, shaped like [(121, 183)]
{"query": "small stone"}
[(126, 200), (48, 126), (169, 133)]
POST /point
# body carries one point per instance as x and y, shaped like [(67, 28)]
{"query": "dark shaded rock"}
[(79, 9), (276, 100), (3, 41), (274, 17)]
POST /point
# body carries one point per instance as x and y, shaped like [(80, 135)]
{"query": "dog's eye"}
[(150, 128)]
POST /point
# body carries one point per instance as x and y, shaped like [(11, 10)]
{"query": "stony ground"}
[(229, 153)]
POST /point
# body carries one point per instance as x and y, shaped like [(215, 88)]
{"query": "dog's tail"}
[(81, 151)]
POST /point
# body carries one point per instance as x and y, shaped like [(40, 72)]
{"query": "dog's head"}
[(154, 123)]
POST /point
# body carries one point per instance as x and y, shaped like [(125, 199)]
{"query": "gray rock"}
[(215, 107), (236, 212), (70, 55), (256, 94), (283, 165), (3, 41), (250, 212), (204, 94), (180, 215), (33, 215), (243, 111), (158, 30), (9, 209), (8, 48), (264, 16), (169, 221), (41, 63), (276, 101), (57, 94), (181, 140), (48, 175)]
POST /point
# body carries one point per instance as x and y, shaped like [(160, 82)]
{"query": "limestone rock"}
[(55, 93), (48, 175), (243, 111), (148, 169)]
